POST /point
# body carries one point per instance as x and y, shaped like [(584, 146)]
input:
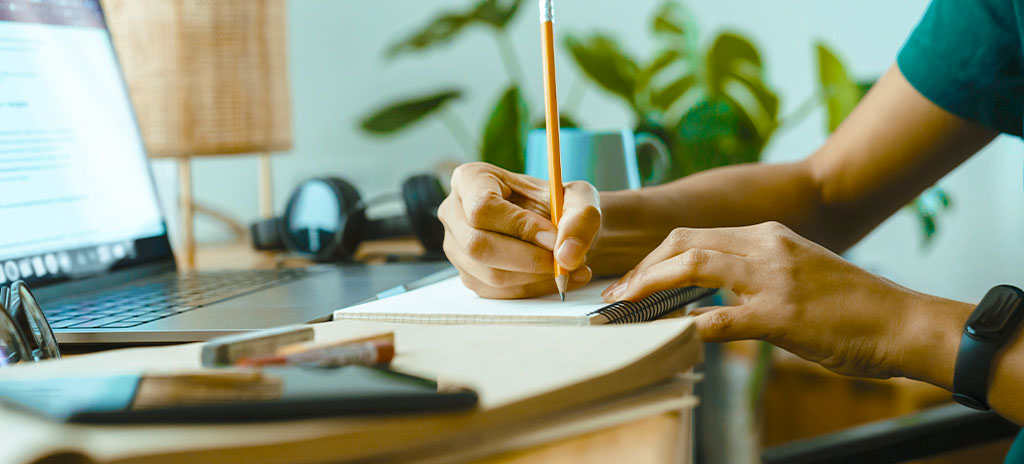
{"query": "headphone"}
[(326, 219)]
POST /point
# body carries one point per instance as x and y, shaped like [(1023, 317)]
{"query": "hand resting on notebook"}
[(792, 292)]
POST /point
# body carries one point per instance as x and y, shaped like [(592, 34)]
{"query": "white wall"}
[(339, 73)]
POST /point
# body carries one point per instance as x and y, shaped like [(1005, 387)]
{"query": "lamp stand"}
[(266, 186), (188, 238)]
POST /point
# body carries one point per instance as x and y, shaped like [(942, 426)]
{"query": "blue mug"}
[(608, 160)]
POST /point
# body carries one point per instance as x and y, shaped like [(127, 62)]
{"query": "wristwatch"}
[(989, 328)]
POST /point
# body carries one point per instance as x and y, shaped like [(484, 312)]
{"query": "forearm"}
[(894, 145), (935, 326), (635, 222)]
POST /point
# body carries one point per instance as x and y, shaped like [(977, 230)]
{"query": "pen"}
[(557, 190), (367, 354)]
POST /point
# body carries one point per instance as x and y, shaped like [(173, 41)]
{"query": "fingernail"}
[(581, 277), (616, 294), (611, 290), (571, 253), (546, 239), (608, 291)]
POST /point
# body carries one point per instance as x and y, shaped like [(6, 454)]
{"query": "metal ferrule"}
[(547, 11)]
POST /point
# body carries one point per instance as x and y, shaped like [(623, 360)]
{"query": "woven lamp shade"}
[(208, 77)]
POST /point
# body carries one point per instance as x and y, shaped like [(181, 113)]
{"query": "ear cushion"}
[(423, 195), (266, 234), (351, 223)]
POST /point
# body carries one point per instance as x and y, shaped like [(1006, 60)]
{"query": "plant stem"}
[(458, 130), (509, 57), (574, 98), (759, 377), (801, 112)]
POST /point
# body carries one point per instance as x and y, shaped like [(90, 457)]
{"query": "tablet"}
[(304, 393)]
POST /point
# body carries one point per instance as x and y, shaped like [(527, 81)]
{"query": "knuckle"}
[(444, 211), (492, 277), (467, 169), (527, 229), (784, 243), (773, 226), (779, 238), (477, 247), (469, 282), (692, 261), (719, 323), (477, 212), (459, 173), (679, 236), (448, 249), (583, 187)]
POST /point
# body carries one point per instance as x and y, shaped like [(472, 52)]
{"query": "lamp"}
[(208, 78)]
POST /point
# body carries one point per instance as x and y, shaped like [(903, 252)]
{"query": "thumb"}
[(579, 225), (726, 324)]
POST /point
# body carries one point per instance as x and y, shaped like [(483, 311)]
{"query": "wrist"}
[(626, 235), (931, 338)]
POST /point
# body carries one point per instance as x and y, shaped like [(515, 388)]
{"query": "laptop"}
[(79, 213)]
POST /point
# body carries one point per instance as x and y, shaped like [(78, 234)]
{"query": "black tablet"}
[(305, 393)]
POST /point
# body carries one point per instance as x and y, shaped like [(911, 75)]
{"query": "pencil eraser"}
[(226, 351)]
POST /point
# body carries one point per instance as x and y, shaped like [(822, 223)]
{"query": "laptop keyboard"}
[(133, 305)]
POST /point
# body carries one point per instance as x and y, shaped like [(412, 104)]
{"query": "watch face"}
[(996, 312)]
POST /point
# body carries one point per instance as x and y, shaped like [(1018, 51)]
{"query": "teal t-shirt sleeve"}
[(1016, 454), (965, 56)]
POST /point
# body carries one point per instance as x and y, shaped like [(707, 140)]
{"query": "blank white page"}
[(450, 302)]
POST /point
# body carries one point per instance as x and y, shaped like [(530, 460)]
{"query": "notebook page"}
[(450, 302)]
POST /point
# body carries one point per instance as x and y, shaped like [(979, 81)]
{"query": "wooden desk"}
[(635, 429)]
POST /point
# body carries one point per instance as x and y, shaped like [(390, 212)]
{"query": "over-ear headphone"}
[(326, 219)]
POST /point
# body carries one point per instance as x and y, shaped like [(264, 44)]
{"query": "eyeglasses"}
[(25, 335)]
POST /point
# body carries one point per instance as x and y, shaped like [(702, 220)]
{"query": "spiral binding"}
[(652, 307)]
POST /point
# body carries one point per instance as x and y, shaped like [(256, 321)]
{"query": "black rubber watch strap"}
[(970, 379)]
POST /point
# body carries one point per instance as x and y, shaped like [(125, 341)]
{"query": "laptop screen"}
[(76, 193)]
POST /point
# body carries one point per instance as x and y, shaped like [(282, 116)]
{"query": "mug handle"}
[(651, 144)]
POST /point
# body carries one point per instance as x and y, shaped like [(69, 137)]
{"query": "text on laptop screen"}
[(75, 187)]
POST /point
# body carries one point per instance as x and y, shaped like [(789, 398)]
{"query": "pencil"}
[(557, 190)]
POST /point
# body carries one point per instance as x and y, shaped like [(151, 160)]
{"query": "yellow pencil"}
[(557, 190)]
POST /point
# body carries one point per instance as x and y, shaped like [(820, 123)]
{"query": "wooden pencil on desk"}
[(557, 191)]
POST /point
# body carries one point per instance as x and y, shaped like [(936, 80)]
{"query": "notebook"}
[(450, 302)]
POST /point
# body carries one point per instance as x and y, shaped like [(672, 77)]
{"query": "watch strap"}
[(971, 376)]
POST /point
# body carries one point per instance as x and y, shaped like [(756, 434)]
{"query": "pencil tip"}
[(562, 282)]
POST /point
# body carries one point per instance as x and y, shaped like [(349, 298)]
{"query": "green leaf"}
[(445, 27), (715, 133), (497, 13), (676, 24), (400, 115), (664, 59), (664, 99), (765, 97), (840, 91), (440, 31), (504, 143), (602, 60), (730, 55), (565, 121)]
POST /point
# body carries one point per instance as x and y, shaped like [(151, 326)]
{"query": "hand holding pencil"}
[(500, 230)]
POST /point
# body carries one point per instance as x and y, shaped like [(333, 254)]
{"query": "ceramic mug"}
[(608, 160)]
